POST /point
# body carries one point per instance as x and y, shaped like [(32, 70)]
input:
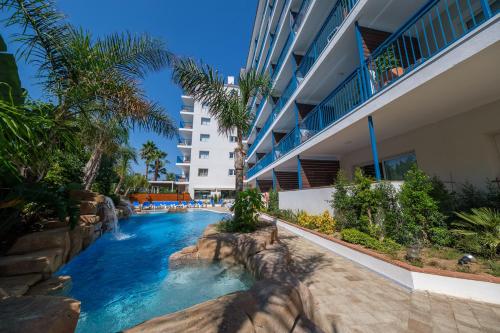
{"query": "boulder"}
[(44, 262), (55, 224), (76, 242), (89, 219), (48, 239), (53, 286), (88, 236), (18, 285), (39, 314), (222, 315), (217, 247), (88, 208)]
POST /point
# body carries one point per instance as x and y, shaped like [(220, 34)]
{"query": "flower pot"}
[(392, 74)]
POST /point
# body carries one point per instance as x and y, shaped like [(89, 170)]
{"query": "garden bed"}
[(438, 261)]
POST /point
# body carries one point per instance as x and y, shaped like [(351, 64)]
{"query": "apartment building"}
[(207, 157), (375, 84)]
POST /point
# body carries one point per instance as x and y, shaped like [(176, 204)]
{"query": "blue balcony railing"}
[(301, 15), (285, 97), (437, 25), (334, 20), (187, 108), (261, 164), (183, 159), (290, 141), (344, 99), (257, 113), (186, 124), (185, 142), (283, 54), (274, 36), (263, 130), (433, 28)]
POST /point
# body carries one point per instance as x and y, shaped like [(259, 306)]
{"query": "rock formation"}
[(278, 302)]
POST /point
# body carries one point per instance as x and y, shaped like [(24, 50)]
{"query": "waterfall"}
[(112, 219)]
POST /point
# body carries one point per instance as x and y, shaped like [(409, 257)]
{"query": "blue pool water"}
[(123, 281)]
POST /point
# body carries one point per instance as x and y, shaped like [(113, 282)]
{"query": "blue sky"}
[(217, 31)]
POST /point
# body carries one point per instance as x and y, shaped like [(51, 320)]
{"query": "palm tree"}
[(127, 155), (135, 182), (228, 105), (159, 163), (483, 225), (147, 153), (92, 79)]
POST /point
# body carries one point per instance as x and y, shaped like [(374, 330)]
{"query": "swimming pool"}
[(123, 281)]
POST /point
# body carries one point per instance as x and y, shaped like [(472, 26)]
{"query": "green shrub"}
[(419, 210), (273, 204), (246, 206), (358, 237), (479, 231), (323, 223), (440, 236)]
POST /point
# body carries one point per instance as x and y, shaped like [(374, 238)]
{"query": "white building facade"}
[(375, 84), (207, 157)]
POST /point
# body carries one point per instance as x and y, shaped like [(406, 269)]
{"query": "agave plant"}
[(482, 224)]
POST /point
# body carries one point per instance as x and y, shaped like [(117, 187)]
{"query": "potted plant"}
[(388, 67)]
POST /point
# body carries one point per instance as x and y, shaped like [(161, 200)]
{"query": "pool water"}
[(123, 280)]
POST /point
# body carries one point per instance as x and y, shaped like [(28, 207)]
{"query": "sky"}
[(215, 31)]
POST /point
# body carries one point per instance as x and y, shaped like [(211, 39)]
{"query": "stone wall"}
[(26, 271), (278, 302)]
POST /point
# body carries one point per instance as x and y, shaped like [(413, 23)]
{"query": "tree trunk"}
[(157, 166), (239, 162), (147, 169), (119, 185), (92, 167)]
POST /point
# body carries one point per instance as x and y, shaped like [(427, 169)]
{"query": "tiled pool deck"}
[(351, 298)]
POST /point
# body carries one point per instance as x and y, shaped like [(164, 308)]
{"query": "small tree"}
[(420, 211), (273, 205), (246, 207), (342, 203)]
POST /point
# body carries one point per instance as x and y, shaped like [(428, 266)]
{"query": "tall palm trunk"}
[(239, 162), (120, 183), (147, 169), (92, 167), (157, 167)]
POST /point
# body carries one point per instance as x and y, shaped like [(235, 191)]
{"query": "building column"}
[(364, 86), (275, 181), (299, 172), (486, 9), (373, 142)]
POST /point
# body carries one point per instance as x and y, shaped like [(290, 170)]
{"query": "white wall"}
[(218, 162), (462, 147), (313, 201)]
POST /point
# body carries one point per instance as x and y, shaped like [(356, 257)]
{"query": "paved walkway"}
[(350, 298)]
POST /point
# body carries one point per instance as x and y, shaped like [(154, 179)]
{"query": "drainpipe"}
[(373, 141)]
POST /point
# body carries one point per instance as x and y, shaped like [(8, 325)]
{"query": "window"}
[(231, 172), (204, 154), (204, 137), (231, 154), (202, 172), (395, 168), (205, 121), (233, 138)]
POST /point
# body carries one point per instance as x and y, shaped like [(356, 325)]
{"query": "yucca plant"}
[(481, 225)]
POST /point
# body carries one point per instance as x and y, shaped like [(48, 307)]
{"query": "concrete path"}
[(350, 298)]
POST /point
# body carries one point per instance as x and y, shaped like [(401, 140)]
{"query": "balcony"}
[(287, 93), (187, 125), (261, 164), (184, 142), (334, 20), (183, 160), (187, 108), (431, 30)]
